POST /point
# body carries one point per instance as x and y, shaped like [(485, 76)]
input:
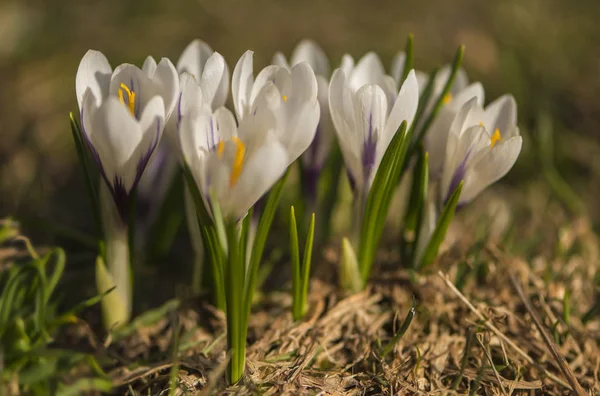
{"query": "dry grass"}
[(502, 331)]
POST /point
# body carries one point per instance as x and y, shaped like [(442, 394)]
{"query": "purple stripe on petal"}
[(369, 150), (179, 110), (457, 177)]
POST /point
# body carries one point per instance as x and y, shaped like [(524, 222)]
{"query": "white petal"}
[(258, 176), (266, 75), (347, 64), (115, 135), (167, 80), (501, 114), (301, 130), (308, 51), (370, 109), (491, 168), (194, 57), (304, 83), (93, 73), (280, 60), (474, 90), (470, 144), (191, 97), (214, 80), (241, 84), (195, 141), (223, 90), (341, 109), (225, 123), (404, 108), (149, 66), (368, 70)]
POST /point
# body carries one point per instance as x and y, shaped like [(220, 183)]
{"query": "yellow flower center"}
[(447, 98), (238, 162), (130, 98), (284, 98), (495, 138)]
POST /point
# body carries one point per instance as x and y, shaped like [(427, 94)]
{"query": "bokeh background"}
[(545, 52)]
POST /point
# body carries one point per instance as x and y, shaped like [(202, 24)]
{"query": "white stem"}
[(116, 235)]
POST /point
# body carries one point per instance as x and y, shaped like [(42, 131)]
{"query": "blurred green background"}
[(545, 52)]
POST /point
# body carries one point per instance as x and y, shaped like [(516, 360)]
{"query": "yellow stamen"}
[(447, 98), (284, 98), (495, 138), (481, 123), (130, 98), (238, 163)]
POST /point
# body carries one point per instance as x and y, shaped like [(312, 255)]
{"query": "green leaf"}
[(441, 228), (260, 239), (306, 264), (400, 333), (84, 160), (416, 207), (408, 60), (234, 290), (85, 385), (350, 277), (295, 258), (146, 319), (379, 200)]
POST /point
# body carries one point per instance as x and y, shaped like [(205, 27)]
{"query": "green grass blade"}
[(441, 228), (295, 258), (379, 199), (260, 239), (400, 333), (306, 264)]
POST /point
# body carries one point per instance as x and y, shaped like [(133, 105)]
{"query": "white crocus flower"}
[(289, 97), (366, 119), (234, 165), (483, 145), (314, 158), (123, 113)]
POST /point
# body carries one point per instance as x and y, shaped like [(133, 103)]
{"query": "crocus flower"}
[(233, 165), (366, 118), (314, 158), (288, 97), (123, 114), (483, 144)]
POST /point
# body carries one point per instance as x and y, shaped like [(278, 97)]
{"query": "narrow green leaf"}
[(234, 287), (350, 277), (295, 258), (306, 264), (418, 193), (400, 333), (59, 267), (379, 199), (408, 60), (260, 239), (85, 385), (441, 228), (84, 160)]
